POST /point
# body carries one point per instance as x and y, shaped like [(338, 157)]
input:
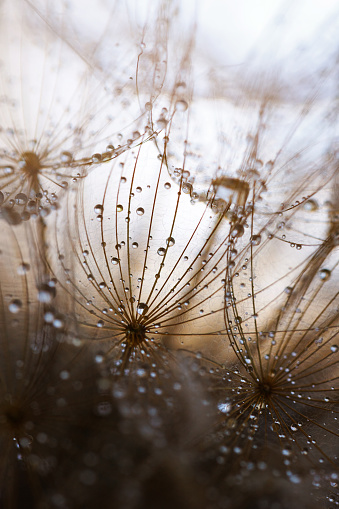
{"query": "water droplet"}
[(58, 322), (310, 206), (324, 274), (170, 241), (48, 317), (334, 348), (104, 408), (142, 308), (120, 208), (181, 105), (46, 293), (255, 240), (98, 209), (224, 407), (237, 230), (187, 188), (135, 245), (161, 251), (21, 199), (162, 123), (138, 189), (167, 185), (286, 451), (23, 269), (96, 158), (115, 261), (296, 479), (140, 211), (15, 305), (66, 157)]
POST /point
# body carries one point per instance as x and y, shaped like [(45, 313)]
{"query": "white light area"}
[(224, 408), (233, 29)]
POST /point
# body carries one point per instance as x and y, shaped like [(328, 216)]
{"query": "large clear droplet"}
[(142, 308), (21, 199), (237, 230), (170, 241), (98, 209)]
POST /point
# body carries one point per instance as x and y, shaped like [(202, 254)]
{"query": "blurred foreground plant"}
[(208, 223)]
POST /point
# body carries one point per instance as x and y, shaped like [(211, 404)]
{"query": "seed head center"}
[(265, 389), (30, 164), (135, 333)]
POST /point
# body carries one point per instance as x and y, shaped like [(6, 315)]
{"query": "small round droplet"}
[(167, 185), (310, 206), (334, 348), (139, 189), (187, 188), (161, 251), (255, 240), (115, 261), (237, 230), (170, 241), (46, 293), (142, 308), (98, 209), (140, 211), (66, 157), (181, 105), (325, 274), (23, 269), (96, 158), (15, 305), (49, 317), (135, 245), (162, 123), (120, 208)]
